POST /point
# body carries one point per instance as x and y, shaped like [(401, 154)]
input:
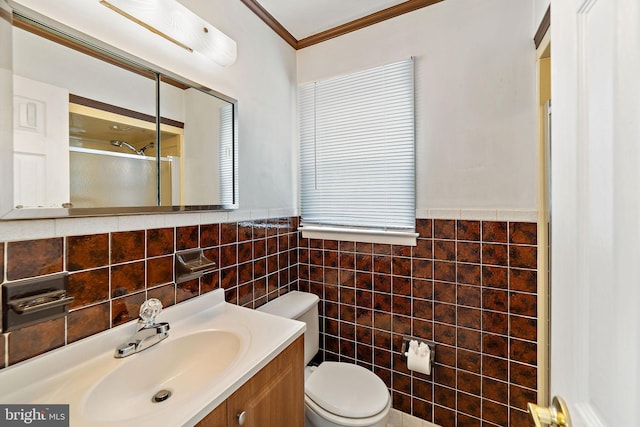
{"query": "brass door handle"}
[(556, 415)]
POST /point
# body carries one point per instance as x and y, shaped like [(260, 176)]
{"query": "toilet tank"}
[(301, 306)]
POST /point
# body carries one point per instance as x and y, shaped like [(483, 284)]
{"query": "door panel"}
[(595, 336), (40, 144)]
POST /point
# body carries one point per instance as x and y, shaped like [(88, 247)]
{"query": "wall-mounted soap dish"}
[(30, 301), (191, 264)]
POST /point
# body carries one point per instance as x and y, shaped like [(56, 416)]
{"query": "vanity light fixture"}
[(177, 24)]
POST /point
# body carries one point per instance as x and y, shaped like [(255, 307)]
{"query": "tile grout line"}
[(481, 317), (508, 402)]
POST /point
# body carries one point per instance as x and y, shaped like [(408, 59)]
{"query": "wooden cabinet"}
[(272, 397), (216, 418)]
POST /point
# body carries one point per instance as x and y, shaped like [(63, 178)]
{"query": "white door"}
[(40, 144), (595, 291)]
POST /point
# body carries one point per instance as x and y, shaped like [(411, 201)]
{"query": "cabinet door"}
[(275, 395), (216, 418)]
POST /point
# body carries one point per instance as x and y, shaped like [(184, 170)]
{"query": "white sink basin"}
[(213, 348), (183, 367)]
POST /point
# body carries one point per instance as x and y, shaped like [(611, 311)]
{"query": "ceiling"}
[(303, 18), (303, 23)]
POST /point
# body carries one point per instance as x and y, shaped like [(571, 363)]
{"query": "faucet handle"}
[(150, 309)]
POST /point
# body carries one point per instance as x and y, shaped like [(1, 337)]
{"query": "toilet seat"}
[(346, 390), (319, 417)]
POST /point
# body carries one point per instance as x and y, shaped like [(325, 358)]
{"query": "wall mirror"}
[(96, 132)]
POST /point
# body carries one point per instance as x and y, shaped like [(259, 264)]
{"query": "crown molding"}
[(374, 18), (543, 28), (272, 22)]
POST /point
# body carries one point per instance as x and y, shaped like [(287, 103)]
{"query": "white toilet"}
[(336, 394)]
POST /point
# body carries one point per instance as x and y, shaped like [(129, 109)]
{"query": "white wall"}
[(475, 100), (540, 9), (202, 177), (39, 59), (475, 85), (263, 80), (6, 110)]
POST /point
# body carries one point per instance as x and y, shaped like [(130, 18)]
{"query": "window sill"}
[(406, 238)]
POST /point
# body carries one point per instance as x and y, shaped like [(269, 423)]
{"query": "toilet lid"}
[(347, 390)]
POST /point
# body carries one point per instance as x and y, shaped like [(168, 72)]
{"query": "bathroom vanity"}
[(269, 398), (223, 365)]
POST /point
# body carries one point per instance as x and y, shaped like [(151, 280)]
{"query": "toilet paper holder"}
[(407, 340)]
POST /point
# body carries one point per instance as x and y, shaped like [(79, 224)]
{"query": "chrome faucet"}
[(149, 332)]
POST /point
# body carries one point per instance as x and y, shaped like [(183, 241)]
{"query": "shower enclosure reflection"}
[(112, 160)]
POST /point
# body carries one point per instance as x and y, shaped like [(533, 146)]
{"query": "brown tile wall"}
[(111, 274), (469, 286)]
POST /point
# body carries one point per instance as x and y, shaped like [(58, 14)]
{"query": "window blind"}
[(226, 155), (357, 149)]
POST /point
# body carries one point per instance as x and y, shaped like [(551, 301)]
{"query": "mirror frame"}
[(88, 45)]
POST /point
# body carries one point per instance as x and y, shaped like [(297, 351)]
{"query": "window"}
[(358, 156)]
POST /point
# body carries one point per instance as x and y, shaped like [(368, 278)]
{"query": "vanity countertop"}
[(77, 373)]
